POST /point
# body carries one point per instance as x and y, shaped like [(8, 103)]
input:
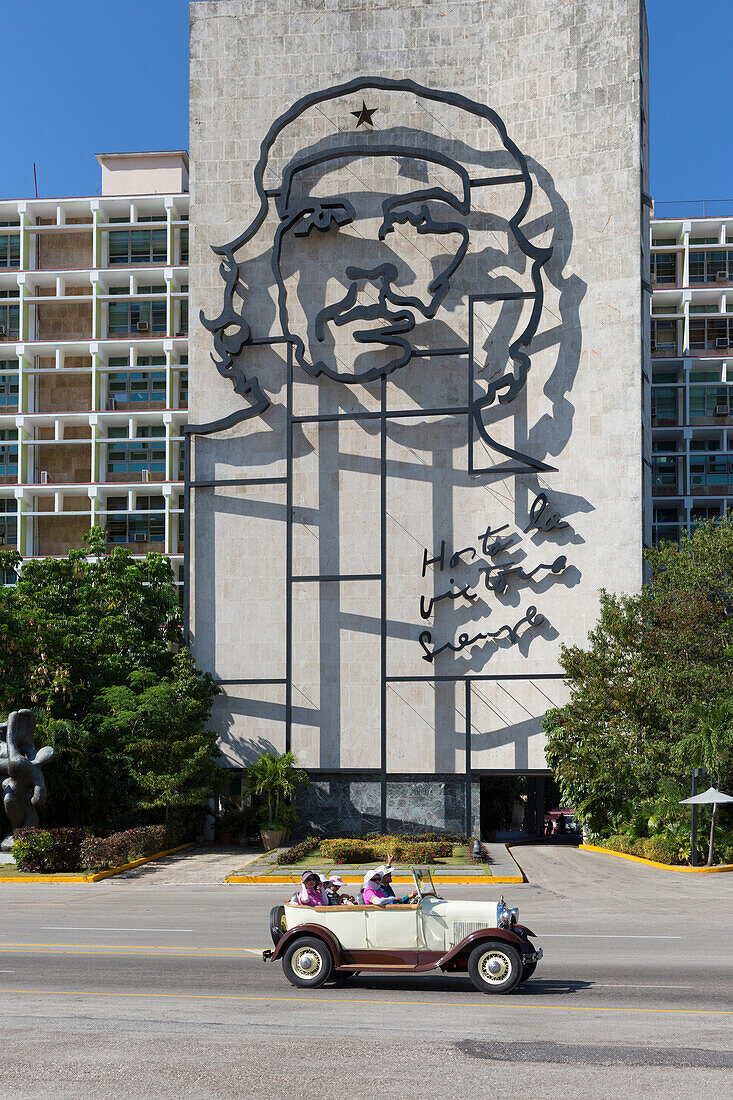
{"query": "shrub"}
[(403, 849), (299, 851), (102, 853), (661, 849), (48, 851)]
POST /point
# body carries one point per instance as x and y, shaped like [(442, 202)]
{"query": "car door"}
[(393, 928)]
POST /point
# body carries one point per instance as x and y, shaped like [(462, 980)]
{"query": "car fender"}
[(473, 938), (301, 930), (523, 930)]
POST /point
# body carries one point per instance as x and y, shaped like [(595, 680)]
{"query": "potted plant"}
[(273, 780)]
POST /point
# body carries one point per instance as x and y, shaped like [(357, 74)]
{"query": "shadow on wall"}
[(302, 287)]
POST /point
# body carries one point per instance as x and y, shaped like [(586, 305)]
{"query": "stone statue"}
[(24, 788)]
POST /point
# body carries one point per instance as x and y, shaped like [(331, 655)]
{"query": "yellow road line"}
[(381, 1002)]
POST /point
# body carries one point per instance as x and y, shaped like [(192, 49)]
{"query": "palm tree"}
[(709, 744), (275, 779)]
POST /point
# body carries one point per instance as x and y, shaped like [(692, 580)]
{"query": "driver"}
[(375, 893)]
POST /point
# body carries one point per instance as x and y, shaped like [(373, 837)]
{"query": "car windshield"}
[(424, 882)]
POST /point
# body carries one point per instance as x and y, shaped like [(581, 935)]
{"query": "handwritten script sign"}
[(496, 573)]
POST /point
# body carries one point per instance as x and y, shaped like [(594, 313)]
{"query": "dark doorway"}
[(514, 805)]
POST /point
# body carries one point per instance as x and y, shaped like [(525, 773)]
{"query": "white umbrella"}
[(708, 797)]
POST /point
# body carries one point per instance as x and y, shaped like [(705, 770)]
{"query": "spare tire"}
[(277, 923)]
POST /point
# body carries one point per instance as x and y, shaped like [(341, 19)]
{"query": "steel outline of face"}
[(325, 214)]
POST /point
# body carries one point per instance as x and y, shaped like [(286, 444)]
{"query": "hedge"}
[(403, 849), (48, 851), (55, 851), (660, 849), (299, 851)]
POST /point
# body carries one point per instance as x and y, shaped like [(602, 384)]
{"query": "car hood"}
[(475, 912)]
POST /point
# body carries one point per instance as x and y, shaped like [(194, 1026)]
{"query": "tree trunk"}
[(712, 834)]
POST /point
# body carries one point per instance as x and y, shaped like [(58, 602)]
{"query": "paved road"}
[(140, 988)]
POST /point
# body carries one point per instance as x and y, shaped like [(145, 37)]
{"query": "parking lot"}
[(154, 986)]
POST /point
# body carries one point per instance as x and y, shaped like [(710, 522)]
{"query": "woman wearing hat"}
[(333, 885), (311, 891), (375, 894)]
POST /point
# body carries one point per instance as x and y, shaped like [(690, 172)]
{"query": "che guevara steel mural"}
[(355, 306)]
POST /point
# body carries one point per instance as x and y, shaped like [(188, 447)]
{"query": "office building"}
[(94, 361)]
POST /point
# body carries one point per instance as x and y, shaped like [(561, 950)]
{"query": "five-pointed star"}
[(364, 116)]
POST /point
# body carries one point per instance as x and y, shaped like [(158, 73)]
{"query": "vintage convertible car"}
[(339, 941)]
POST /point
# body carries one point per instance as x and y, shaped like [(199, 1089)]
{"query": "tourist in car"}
[(333, 885), (311, 891), (375, 894), (386, 872)]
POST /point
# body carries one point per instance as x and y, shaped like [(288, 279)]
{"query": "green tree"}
[(650, 657), (275, 779), (709, 744), (93, 643)]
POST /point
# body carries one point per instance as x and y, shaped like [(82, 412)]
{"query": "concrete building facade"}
[(419, 442), (94, 362)]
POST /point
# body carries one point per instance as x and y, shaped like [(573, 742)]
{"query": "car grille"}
[(462, 928)]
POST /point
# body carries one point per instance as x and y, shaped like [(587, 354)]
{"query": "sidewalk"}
[(200, 865)]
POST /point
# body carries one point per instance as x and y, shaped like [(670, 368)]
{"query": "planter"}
[(272, 838)]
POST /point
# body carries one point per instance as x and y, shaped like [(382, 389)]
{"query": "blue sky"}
[(90, 76)]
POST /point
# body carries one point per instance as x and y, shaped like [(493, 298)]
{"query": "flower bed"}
[(403, 849)]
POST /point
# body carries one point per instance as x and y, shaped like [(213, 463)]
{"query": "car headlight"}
[(506, 917)]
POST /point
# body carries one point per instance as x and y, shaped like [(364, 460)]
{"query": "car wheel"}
[(495, 967), (307, 963)]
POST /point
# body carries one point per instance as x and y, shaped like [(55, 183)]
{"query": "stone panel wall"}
[(567, 81)]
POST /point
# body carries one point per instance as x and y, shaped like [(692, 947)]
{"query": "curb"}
[(662, 866), (285, 880), (95, 877)]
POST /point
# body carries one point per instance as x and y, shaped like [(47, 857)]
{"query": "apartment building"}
[(692, 371), (94, 362)]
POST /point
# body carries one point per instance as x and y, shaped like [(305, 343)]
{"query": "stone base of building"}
[(350, 805)]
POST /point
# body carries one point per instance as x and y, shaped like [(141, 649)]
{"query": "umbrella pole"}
[(693, 845), (712, 834)]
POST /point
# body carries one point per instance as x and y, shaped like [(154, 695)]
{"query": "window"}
[(664, 268), (664, 376), (708, 401), (664, 404), (666, 525), (705, 309), (8, 452), (183, 389), (703, 240), (145, 452), (138, 385), (702, 515), (705, 444), (183, 317), (664, 445), (151, 217), (710, 334), (10, 250), (183, 242), (664, 473), (138, 246), (9, 389), (124, 317), (664, 337), (710, 267), (711, 472), (10, 319), (8, 523), (149, 527)]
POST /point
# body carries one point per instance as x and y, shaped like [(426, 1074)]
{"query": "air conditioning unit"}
[(721, 276), (146, 475), (143, 326), (3, 330), (181, 333), (44, 477), (139, 536), (721, 342), (722, 410)]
